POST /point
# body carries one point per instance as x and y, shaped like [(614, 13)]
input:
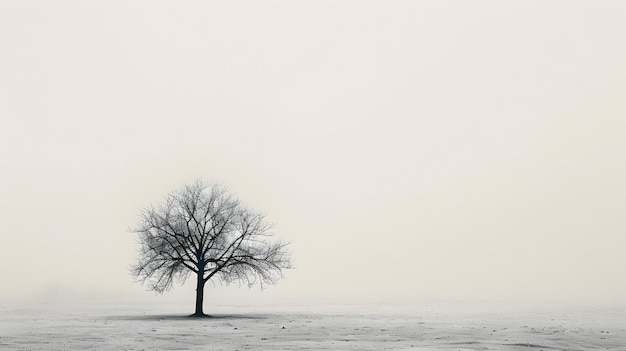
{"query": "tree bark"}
[(199, 295)]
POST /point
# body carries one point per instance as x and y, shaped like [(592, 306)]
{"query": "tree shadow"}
[(179, 317)]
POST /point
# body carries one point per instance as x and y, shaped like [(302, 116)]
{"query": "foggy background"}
[(410, 151)]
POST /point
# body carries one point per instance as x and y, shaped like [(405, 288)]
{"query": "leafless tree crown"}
[(203, 229)]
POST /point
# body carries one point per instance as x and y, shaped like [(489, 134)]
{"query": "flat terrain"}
[(373, 327)]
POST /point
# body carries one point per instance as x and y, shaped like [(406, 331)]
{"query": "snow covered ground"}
[(373, 327)]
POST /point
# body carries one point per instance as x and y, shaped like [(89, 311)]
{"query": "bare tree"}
[(202, 229)]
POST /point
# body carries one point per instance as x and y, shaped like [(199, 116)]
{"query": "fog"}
[(409, 151)]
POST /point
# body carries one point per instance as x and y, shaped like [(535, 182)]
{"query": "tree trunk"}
[(199, 296)]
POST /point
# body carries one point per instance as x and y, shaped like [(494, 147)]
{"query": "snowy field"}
[(373, 327)]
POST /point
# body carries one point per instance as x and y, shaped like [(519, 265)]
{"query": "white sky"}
[(409, 150)]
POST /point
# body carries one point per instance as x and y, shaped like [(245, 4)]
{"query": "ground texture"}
[(426, 327)]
